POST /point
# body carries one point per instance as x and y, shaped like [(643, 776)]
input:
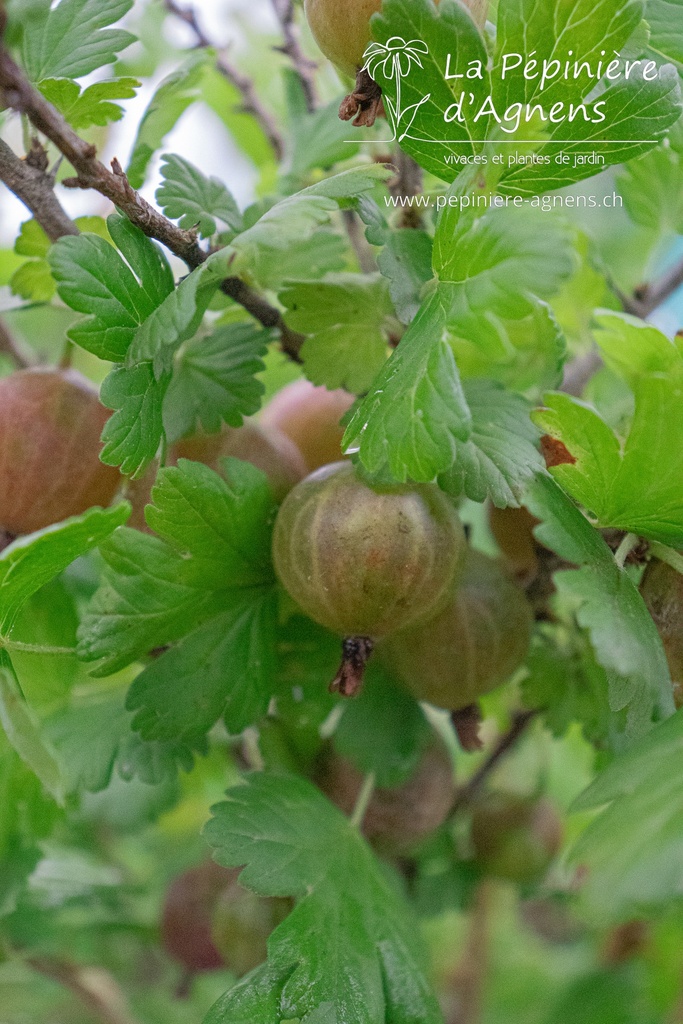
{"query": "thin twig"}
[(303, 66), (10, 347), (579, 371), (407, 184), (251, 102), (17, 92), (35, 189), (644, 301), (652, 296), (520, 723), (94, 987), (468, 982)]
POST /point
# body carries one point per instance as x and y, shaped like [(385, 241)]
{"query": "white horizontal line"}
[(519, 142)]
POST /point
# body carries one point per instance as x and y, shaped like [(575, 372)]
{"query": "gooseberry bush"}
[(341, 531)]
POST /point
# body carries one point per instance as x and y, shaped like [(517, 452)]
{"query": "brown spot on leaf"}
[(555, 452)]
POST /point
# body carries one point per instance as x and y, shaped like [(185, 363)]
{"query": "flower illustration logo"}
[(394, 60)]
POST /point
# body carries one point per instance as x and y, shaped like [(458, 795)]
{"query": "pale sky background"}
[(199, 130)]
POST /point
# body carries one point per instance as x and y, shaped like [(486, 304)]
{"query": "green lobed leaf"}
[(74, 38), (632, 485), (28, 817), (445, 30), (584, 26), (215, 380), (23, 731), (33, 280), (49, 618), (525, 355), (417, 411), (32, 561), (173, 96), (193, 199), (92, 105), (181, 694), (568, 685), (607, 604), (499, 264), (178, 316), (318, 139), (133, 433), (633, 349), (310, 258), (220, 527), (666, 33), (406, 262), (92, 278), (93, 738), (636, 114), (296, 218), (216, 606), (253, 1000), (349, 950), (631, 853), (652, 187), (501, 456), (142, 603), (347, 317)]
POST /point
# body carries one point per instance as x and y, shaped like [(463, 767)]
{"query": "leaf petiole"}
[(17, 645), (668, 555), (628, 544), (364, 798)]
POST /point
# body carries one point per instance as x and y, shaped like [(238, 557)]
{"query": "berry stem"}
[(521, 720), (628, 544), (466, 723), (668, 555), (364, 798), (356, 651), (67, 356)]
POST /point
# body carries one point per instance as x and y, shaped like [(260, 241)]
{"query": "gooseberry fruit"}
[(364, 562), (399, 819), (209, 921), (242, 924), (266, 448), (310, 417), (341, 28), (662, 591), (51, 421), (472, 646), (187, 915), (513, 529), (514, 837)]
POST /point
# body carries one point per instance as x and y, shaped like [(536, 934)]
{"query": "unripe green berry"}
[(364, 562), (472, 646)]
